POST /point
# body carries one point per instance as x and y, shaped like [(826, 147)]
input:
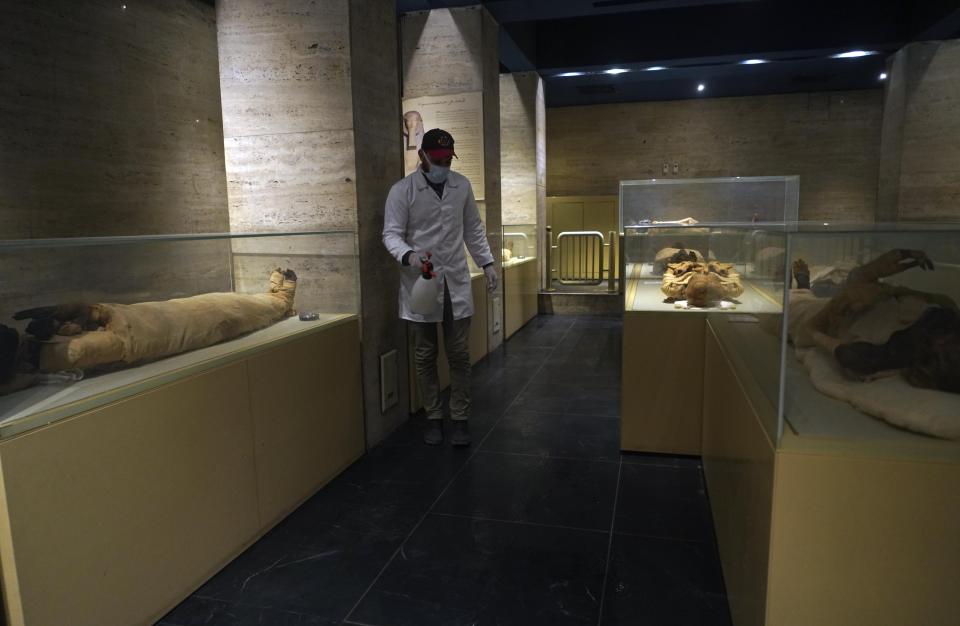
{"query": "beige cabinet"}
[(116, 514)]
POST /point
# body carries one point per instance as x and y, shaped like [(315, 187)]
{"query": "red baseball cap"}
[(438, 144)]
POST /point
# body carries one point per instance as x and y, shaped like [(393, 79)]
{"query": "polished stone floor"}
[(541, 521)]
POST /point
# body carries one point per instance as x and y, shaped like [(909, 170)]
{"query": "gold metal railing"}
[(582, 258)]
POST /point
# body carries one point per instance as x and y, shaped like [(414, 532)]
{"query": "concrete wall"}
[(379, 164), (920, 154), (110, 124), (311, 120), (448, 51), (831, 140)]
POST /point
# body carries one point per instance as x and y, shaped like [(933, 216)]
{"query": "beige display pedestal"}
[(824, 531), (520, 294), (662, 382), (478, 343), (663, 356), (117, 513)]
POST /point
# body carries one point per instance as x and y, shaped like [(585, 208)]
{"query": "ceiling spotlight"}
[(754, 62), (854, 54), (883, 76), (616, 70), (569, 74), (701, 87), (655, 68)]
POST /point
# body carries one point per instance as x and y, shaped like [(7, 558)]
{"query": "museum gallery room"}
[(461, 313)]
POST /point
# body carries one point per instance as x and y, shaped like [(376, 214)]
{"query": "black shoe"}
[(461, 433), (433, 433)]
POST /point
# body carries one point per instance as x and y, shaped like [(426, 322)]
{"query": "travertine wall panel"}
[(518, 147), (442, 52), (831, 140), (921, 153), (288, 126), (292, 181), (285, 66), (110, 124), (448, 51), (110, 119), (523, 157)]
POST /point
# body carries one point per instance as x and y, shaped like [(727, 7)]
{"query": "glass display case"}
[(867, 349), (741, 199), (705, 267), (519, 243), (90, 321), (722, 235)]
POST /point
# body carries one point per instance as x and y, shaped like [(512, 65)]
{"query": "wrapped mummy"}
[(888, 350), (91, 336), (676, 254), (701, 284)]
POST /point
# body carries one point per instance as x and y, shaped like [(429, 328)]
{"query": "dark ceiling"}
[(704, 42)]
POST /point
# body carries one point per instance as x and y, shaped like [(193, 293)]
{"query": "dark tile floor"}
[(542, 521)]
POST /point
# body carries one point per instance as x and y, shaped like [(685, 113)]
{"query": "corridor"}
[(541, 521)]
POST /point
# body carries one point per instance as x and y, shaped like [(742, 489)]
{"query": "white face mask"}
[(437, 174)]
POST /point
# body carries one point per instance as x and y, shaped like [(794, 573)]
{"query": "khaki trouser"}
[(456, 339)]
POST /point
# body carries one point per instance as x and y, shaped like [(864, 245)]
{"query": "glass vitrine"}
[(867, 349), (686, 201), (89, 321), (519, 243)]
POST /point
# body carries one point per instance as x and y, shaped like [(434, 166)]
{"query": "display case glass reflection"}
[(519, 243), (868, 347), (87, 321), (706, 243), (686, 201), (705, 267)]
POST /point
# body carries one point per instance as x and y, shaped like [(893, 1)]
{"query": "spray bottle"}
[(423, 296)]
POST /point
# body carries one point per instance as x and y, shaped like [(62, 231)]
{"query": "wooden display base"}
[(662, 382), (825, 532), (116, 514), (520, 289)]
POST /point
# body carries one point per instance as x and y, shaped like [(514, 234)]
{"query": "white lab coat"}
[(416, 219)]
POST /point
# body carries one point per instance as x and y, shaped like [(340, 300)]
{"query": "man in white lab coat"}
[(429, 217)]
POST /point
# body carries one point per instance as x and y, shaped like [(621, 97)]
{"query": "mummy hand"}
[(912, 258)]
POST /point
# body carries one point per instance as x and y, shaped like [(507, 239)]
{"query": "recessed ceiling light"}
[(655, 68), (883, 76), (754, 62), (616, 70), (569, 74), (701, 87), (854, 54)]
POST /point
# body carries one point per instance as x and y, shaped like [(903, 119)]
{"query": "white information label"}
[(461, 115)]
